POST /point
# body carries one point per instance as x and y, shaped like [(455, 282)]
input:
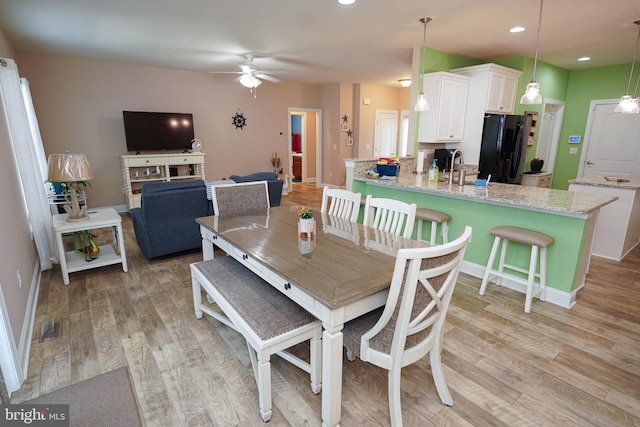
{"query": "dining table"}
[(337, 272)]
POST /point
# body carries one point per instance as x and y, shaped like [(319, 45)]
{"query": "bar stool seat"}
[(538, 242), (436, 217)]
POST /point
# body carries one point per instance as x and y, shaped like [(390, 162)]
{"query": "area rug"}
[(105, 400)]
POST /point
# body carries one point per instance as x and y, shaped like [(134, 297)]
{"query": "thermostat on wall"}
[(574, 139)]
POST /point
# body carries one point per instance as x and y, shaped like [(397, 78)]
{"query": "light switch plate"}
[(573, 150)]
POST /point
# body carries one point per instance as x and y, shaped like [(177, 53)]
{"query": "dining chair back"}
[(411, 324), (341, 203), (393, 216), (242, 197)]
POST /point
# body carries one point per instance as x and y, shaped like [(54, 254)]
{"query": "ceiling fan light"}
[(532, 94), (421, 103), (250, 81)]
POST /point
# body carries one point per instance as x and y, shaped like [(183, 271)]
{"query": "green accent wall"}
[(583, 87), (576, 87)]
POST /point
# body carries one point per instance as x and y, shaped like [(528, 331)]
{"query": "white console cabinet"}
[(140, 168), (447, 97)]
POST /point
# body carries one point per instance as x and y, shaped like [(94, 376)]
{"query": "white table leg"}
[(331, 376), (120, 245), (207, 246), (63, 259)]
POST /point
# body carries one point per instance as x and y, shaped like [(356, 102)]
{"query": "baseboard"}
[(24, 347), (554, 296)]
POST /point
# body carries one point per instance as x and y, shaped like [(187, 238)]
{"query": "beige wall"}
[(381, 98), (6, 50), (79, 106)]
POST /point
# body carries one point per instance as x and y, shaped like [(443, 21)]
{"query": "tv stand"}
[(138, 169)]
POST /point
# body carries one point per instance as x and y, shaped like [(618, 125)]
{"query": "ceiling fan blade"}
[(281, 72), (226, 72), (266, 77)]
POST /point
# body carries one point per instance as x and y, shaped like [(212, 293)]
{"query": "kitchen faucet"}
[(453, 159)]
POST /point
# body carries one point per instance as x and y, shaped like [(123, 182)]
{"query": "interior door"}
[(386, 134), (612, 142)]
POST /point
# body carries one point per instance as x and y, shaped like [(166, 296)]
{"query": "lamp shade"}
[(68, 167)]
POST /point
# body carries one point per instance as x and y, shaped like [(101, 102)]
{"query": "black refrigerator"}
[(503, 147)]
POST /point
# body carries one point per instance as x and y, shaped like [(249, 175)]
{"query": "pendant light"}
[(421, 103), (532, 94), (627, 104)]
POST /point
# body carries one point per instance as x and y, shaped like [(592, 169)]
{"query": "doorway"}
[(611, 142), (549, 136), (385, 140), (305, 146)]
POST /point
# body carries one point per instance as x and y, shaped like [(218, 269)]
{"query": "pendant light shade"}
[(627, 104), (421, 102), (532, 94)]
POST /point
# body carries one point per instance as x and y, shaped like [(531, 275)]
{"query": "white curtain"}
[(29, 156)]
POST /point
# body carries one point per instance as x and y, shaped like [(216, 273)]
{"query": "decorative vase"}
[(307, 225)]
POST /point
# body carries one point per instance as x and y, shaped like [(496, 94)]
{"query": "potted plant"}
[(306, 219)]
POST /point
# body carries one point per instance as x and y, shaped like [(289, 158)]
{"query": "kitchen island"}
[(569, 217), (618, 228)]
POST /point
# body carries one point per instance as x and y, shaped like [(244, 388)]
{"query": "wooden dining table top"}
[(341, 263)]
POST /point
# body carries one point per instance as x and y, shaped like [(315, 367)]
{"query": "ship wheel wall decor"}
[(239, 120)]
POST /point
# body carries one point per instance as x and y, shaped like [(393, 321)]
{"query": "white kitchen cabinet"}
[(496, 86), (447, 97), (492, 89)]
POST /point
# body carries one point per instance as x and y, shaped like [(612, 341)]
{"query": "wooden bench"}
[(269, 321)]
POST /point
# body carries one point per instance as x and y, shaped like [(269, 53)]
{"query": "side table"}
[(71, 261)]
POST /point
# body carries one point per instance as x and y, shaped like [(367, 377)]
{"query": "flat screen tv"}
[(148, 131)]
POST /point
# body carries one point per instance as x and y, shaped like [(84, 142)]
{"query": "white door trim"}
[(554, 137), (318, 113)]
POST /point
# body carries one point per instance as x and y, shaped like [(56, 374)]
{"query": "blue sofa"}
[(165, 223)]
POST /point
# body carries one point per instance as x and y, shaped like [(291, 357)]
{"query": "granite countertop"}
[(542, 199), (613, 182)]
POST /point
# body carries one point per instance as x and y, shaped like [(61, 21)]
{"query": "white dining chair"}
[(242, 197), (411, 324), (390, 215), (341, 203)]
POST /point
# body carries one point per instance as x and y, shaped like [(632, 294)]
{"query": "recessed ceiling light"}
[(516, 29), (405, 82), (584, 58), (346, 1)]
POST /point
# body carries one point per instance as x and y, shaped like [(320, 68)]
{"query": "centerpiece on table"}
[(307, 224)]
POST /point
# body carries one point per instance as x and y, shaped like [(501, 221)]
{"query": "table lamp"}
[(71, 169)]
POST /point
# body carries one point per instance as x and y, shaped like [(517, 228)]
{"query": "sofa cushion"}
[(258, 176), (158, 187)]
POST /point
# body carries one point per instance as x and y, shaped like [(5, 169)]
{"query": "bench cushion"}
[(251, 297)]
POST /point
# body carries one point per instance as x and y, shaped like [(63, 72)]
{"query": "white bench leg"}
[(197, 297), (315, 360)]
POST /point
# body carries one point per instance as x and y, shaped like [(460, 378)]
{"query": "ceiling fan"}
[(251, 75)]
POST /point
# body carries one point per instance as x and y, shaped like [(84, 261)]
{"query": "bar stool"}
[(539, 243), (436, 217)]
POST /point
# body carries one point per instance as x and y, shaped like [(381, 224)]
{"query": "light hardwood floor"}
[(553, 367)]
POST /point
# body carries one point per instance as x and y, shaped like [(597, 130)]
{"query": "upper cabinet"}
[(447, 97), (494, 86)]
